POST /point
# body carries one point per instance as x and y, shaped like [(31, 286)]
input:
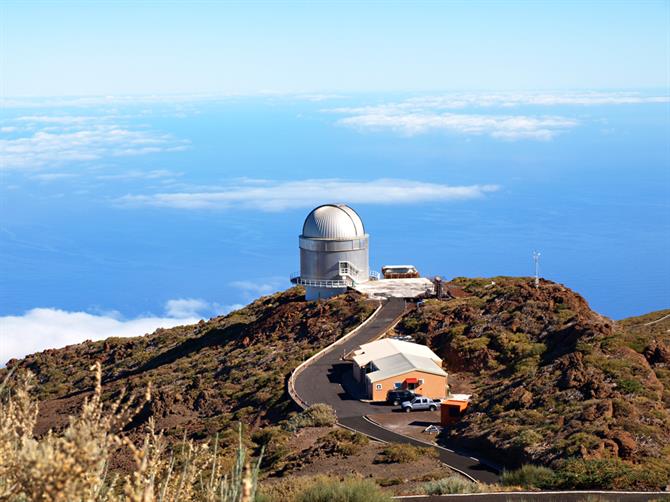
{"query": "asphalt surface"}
[(322, 382)]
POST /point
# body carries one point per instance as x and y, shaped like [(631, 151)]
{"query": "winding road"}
[(322, 379)]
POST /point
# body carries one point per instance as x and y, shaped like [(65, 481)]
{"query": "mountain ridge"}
[(530, 356)]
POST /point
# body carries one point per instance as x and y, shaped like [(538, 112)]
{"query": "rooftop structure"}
[(399, 364), (389, 346), (397, 288), (400, 272)]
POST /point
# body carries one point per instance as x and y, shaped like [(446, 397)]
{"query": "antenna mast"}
[(536, 259)]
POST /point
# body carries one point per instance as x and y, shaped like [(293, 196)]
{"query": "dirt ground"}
[(409, 424), (397, 478), (460, 383)]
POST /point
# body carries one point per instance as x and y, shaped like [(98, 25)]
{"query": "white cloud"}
[(152, 174), (56, 140), (45, 328), (497, 126), (33, 102), (425, 113), (458, 101), (253, 289), (280, 196), (51, 176), (185, 307)]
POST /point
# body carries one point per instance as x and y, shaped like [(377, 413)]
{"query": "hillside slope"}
[(204, 377), (554, 382)]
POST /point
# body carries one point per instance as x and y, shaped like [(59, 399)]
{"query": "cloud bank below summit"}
[(273, 196), (447, 113), (45, 328)]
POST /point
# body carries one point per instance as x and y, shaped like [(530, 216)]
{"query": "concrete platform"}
[(395, 288)]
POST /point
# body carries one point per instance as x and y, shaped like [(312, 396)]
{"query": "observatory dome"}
[(332, 221)]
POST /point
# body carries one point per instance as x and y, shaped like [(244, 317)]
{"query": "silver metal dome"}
[(332, 221)]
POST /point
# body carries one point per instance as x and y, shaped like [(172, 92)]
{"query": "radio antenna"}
[(536, 259)]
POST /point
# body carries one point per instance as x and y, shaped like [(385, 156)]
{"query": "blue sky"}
[(157, 159), (74, 48)]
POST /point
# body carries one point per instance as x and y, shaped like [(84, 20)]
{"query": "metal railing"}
[(321, 283), (347, 280)]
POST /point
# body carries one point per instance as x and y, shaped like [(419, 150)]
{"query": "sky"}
[(158, 47), (157, 159)]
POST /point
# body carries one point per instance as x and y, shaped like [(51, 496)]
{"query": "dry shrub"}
[(403, 453), (72, 466), (317, 415), (452, 484)]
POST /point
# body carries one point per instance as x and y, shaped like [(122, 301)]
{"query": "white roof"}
[(333, 221), (389, 346), (459, 397), (399, 364)]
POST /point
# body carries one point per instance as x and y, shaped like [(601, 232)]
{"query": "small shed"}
[(400, 272), (452, 409)]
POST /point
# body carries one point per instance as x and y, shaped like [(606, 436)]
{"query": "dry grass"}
[(72, 466)]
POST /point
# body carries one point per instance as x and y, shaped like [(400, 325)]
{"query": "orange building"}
[(391, 364), (453, 408)]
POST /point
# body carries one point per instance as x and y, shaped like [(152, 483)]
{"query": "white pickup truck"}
[(420, 403)]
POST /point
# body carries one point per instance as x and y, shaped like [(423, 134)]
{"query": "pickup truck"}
[(420, 403)]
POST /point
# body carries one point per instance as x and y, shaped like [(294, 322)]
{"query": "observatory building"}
[(333, 252)]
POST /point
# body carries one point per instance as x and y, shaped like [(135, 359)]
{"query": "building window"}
[(379, 386), (397, 385), (420, 381)]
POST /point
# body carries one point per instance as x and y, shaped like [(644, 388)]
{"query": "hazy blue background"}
[(593, 199), (157, 159)]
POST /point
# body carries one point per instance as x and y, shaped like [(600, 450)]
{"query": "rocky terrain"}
[(205, 378), (554, 382)]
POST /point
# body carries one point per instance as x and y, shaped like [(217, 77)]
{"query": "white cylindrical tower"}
[(333, 251)]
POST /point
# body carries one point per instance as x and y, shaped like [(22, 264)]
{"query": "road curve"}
[(320, 381)]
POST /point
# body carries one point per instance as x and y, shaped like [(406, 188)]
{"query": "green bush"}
[(348, 490), (611, 474), (317, 415), (529, 437), (630, 386), (452, 484), (530, 476), (404, 453), (343, 442), (274, 442)]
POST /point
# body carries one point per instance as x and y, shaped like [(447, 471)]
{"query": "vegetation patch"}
[(555, 384), (404, 453), (530, 477), (317, 415), (347, 490), (451, 485)]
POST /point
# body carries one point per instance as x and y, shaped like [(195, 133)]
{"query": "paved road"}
[(321, 382)]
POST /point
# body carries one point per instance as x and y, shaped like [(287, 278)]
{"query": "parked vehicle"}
[(420, 403), (395, 397)]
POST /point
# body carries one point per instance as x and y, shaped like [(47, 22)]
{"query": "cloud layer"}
[(44, 328), (38, 141), (502, 127), (279, 196), (421, 114)]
